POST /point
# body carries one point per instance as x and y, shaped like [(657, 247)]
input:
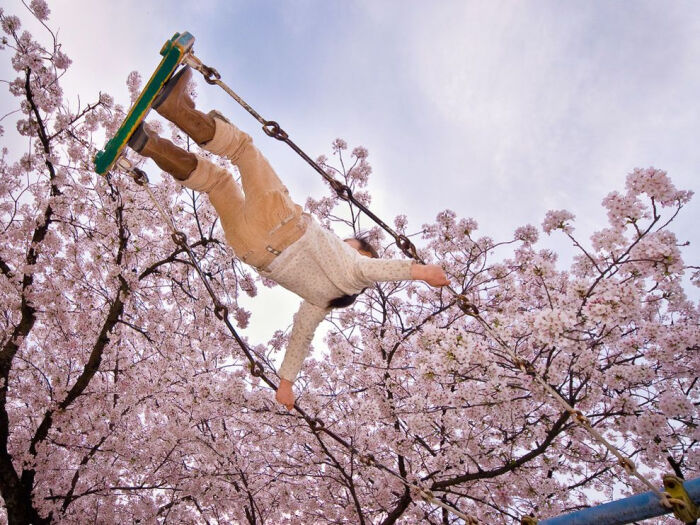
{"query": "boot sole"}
[(168, 88), (138, 139)]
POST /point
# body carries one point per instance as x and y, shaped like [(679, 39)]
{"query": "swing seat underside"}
[(173, 52)]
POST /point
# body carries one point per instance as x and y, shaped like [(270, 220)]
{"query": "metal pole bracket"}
[(684, 508)]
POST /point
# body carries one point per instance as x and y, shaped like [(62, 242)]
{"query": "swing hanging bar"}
[(683, 494)]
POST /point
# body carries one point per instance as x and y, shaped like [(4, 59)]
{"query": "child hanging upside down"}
[(265, 228)]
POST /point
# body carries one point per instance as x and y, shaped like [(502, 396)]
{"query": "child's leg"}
[(266, 217), (268, 204), (227, 198), (175, 104), (217, 135)]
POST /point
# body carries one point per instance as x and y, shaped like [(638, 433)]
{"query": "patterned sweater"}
[(320, 267)]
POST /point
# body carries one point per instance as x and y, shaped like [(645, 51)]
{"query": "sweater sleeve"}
[(380, 270), (306, 320)]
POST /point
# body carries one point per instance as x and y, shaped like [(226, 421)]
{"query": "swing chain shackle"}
[(137, 174)]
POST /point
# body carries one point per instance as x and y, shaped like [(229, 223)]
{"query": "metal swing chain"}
[(180, 239), (343, 191), (274, 130), (255, 366)]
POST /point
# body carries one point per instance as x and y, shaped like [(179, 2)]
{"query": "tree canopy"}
[(123, 398)]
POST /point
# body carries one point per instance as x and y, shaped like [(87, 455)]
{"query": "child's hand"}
[(285, 394), (430, 273), (435, 276)]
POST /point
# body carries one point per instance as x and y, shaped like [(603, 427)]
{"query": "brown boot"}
[(169, 157), (175, 104)]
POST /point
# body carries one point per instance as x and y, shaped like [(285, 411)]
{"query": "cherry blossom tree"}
[(123, 398)]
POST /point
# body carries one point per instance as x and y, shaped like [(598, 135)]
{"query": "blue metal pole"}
[(628, 510)]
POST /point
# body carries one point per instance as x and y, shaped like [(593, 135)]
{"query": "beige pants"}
[(259, 218)]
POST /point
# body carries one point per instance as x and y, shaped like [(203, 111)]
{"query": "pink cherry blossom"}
[(557, 220), (339, 145), (133, 83), (40, 9), (528, 234)]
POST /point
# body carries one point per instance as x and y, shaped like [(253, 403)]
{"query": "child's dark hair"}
[(346, 300), (366, 246)]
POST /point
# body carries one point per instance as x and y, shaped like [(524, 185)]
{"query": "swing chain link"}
[(342, 190), (627, 464), (256, 369), (466, 306), (139, 176), (274, 130), (525, 366), (367, 459), (316, 423), (426, 494), (180, 239), (220, 311), (583, 420), (211, 75), (406, 246)]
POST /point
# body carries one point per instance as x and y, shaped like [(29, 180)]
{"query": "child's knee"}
[(228, 140)]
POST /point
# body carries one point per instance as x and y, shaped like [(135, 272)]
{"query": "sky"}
[(498, 110)]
